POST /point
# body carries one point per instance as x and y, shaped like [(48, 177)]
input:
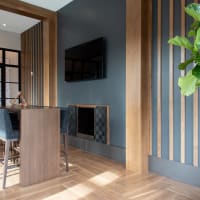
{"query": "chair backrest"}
[(64, 121), (72, 120), (6, 130)]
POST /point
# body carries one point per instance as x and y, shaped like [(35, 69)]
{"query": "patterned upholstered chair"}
[(64, 127), (7, 135)]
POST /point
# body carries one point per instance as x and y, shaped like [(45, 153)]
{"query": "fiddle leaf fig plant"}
[(191, 81)]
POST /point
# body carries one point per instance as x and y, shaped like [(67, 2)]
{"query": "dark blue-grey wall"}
[(82, 21)]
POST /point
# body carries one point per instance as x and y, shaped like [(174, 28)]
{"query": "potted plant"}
[(191, 81)]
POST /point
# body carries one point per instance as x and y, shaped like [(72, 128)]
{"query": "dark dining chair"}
[(7, 135), (64, 128)]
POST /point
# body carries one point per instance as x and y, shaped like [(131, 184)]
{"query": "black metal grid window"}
[(9, 75)]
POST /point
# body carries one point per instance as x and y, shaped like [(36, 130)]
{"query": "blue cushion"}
[(6, 130), (64, 120)]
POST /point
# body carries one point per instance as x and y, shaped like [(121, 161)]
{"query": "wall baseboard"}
[(111, 152), (177, 171)]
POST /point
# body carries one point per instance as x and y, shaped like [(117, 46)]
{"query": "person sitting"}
[(23, 102)]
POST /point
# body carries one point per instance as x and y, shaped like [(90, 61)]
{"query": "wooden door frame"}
[(49, 19)]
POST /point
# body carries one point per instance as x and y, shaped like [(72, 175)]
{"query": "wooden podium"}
[(40, 145)]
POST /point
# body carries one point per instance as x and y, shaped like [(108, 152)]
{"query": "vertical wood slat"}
[(182, 97), (159, 84), (146, 75), (150, 22), (171, 84), (195, 124), (46, 79), (31, 63)]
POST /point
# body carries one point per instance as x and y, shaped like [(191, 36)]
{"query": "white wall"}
[(10, 40)]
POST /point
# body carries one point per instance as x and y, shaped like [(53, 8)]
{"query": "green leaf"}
[(194, 25), (196, 71), (181, 41), (191, 33), (197, 40), (198, 83), (187, 84), (183, 65), (196, 57), (193, 10)]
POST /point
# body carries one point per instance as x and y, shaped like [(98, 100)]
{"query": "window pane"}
[(8, 102), (12, 74), (11, 90), (0, 56), (11, 58)]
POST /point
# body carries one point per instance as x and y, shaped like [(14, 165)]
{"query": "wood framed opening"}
[(49, 20)]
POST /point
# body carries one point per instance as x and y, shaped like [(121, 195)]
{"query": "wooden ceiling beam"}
[(26, 9)]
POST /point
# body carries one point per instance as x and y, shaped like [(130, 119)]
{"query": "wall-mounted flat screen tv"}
[(85, 61)]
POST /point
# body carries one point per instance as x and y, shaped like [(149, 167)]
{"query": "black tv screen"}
[(85, 61)]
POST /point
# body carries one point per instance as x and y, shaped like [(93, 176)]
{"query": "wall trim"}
[(175, 170), (111, 152)]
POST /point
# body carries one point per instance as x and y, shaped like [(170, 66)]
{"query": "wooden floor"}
[(92, 177)]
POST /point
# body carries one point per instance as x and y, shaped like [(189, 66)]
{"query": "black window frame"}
[(3, 81)]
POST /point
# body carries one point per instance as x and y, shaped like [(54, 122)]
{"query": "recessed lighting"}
[(4, 25)]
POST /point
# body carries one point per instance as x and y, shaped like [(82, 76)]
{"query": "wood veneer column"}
[(138, 82)]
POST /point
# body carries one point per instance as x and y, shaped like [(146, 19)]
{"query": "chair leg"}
[(66, 151), (7, 147)]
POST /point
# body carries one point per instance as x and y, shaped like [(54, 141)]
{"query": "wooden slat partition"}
[(186, 148), (32, 65), (49, 20)]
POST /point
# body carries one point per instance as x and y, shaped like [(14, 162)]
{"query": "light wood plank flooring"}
[(93, 177)]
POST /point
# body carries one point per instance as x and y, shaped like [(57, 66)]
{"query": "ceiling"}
[(53, 5), (12, 22), (15, 23)]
